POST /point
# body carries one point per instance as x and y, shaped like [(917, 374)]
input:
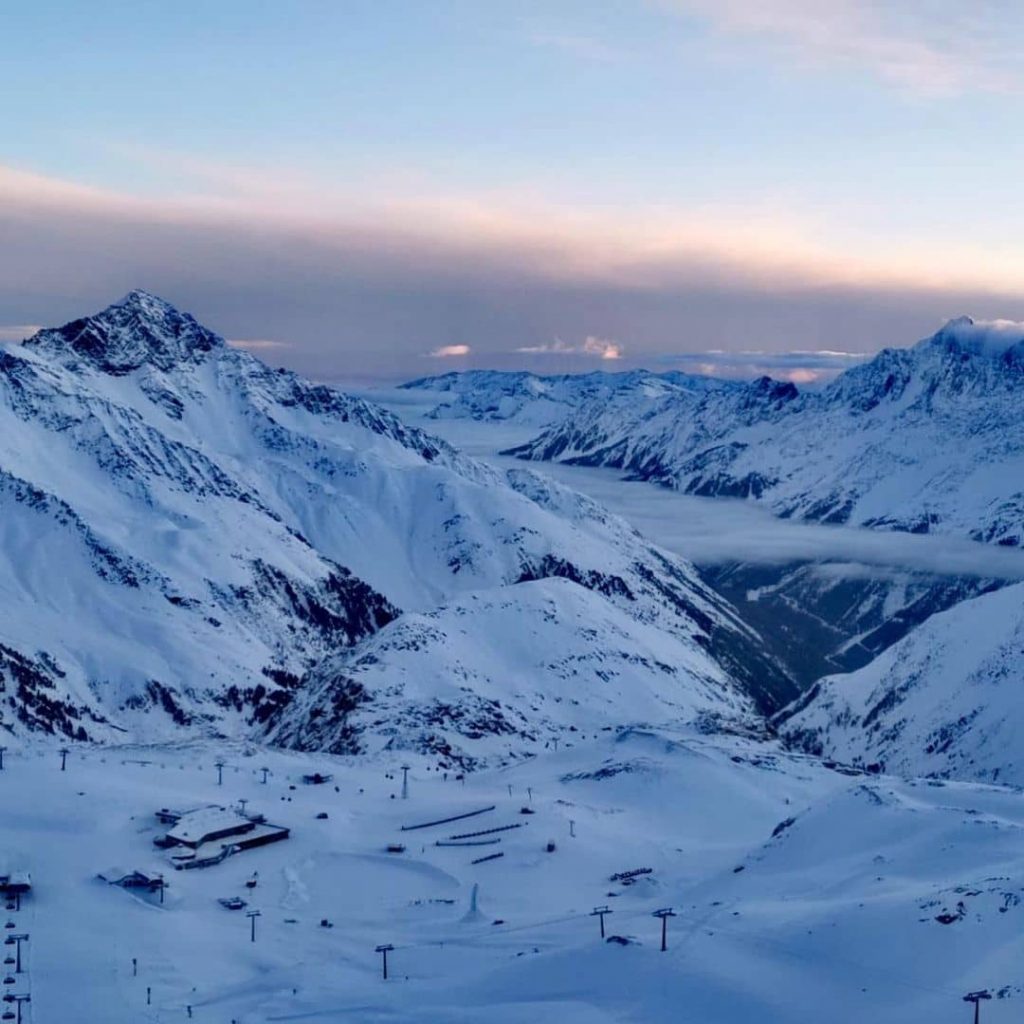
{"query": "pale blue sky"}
[(364, 183)]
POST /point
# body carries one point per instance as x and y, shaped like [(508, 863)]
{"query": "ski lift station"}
[(207, 835), (14, 881), (128, 878)]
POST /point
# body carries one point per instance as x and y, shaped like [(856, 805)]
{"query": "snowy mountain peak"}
[(140, 329), (139, 298), (187, 534), (958, 323), (770, 392), (992, 338)]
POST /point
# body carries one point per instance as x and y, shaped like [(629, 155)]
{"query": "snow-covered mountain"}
[(945, 700), (925, 439), (185, 534), (541, 400), (513, 668)]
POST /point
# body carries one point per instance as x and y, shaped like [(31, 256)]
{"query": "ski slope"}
[(838, 915)]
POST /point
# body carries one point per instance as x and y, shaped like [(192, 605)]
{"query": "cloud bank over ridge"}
[(335, 283)]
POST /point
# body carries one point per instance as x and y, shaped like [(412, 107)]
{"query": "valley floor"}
[(802, 893)]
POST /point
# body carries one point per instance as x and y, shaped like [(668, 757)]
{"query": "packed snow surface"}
[(800, 893)]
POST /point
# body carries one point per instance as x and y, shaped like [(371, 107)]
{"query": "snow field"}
[(837, 912)]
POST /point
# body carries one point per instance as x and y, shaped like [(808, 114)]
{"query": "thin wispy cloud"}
[(933, 48), (17, 332), (817, 359), (258, 344), (801, 366), (598, 348), (581, 46), (450, 352)]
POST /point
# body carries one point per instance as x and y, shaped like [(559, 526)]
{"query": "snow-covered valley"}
[(916, 633), (824, 598)]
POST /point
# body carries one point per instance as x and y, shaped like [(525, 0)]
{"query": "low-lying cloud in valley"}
[(716, 531)]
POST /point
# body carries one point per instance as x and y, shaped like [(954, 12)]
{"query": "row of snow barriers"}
[(481, 837), (16, 991)]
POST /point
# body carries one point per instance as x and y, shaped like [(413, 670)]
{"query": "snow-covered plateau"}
[(800, 893)]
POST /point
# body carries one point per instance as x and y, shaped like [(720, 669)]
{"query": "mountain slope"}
[(502, 673), (823, 617), (926, 439), (945, 700), (187, 533)]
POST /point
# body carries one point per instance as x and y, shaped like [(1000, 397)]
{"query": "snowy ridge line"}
[(445, 821), (489, 831)]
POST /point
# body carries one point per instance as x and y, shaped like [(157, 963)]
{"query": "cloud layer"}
[(713, 531), (935, 48), (336, 283), (800, 365), (596, 348)]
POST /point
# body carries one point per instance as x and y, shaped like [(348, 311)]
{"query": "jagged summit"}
[(139, 329), (993, 338)]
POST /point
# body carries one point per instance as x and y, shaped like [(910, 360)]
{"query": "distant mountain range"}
[(927, 439), (541, 401), (191, 541), (924, 439)]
